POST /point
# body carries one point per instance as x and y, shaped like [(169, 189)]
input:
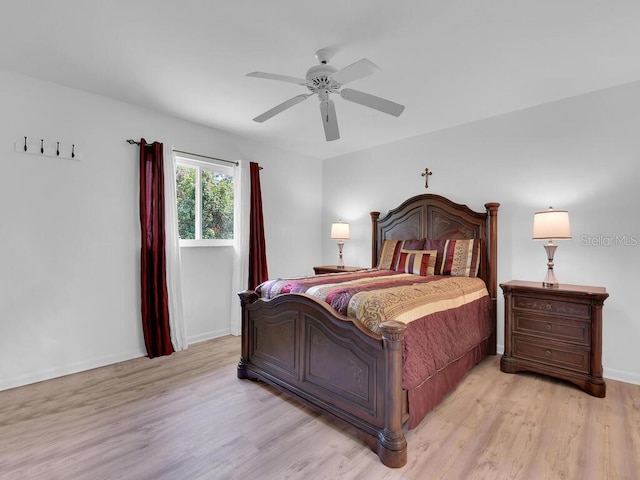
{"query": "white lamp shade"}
[(340, 231), (551, 224)]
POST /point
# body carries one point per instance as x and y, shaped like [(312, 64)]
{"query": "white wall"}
[(581, 154), (69, 231)]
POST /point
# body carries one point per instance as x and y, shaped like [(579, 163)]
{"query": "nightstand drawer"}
[(551, 353), (556, 307), (554, 328)]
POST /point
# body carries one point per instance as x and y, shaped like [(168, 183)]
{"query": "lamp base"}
[(340, 261), (550, 281)]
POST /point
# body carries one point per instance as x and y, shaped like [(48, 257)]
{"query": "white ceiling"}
[(448, 61)]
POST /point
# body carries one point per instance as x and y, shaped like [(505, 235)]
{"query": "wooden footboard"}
[(330, 362)]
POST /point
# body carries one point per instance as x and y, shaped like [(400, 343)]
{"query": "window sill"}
[(206, 243)]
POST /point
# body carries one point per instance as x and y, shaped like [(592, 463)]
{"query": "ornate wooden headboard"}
[(436, 217)]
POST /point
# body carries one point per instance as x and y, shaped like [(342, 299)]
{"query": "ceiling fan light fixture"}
[(319, 76), (324, 55)]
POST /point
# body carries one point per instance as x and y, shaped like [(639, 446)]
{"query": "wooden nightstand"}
[(555, 331), (335, 269)]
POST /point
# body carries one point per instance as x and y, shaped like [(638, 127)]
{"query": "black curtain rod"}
[(131, 141)]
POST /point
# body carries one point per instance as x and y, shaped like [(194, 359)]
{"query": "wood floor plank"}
[(188, 416)]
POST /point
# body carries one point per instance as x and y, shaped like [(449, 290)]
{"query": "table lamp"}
[(549, 225), (340, 232)]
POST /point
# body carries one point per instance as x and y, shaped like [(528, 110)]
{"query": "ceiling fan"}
[(324, 80)]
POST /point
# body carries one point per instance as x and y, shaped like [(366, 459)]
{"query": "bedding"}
[(446, 316), (456, 257), (374, 296), (417, 262), (390, 253)]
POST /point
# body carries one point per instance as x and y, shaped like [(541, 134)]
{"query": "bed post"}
[(392, 445), (247, 297), (492, 277), (374, 239)]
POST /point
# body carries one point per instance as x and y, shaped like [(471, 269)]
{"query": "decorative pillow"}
[(417, 262), (437, 245), (390, 253), (461, 258)]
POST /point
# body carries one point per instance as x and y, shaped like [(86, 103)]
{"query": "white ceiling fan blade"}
[(281, 108), (282, 78), (357, 70), (329, 120), (371, 101)]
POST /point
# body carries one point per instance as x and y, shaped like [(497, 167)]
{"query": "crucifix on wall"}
[(426, 174)]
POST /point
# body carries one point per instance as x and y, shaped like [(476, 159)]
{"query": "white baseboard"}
[(62, 370), (621, 375), (208, 335), (18, 381)]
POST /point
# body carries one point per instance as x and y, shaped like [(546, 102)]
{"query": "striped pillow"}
[(461, 258), (417, 262), (390, 253)]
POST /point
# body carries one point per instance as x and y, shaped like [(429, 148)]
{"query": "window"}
[(204, 194)]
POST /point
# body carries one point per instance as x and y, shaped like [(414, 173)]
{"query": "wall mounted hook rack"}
[(46, 148)]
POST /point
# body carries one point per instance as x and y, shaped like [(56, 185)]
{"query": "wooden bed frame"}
[(334, 364)]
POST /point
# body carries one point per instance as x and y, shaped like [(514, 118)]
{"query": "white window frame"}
[(212, 166)]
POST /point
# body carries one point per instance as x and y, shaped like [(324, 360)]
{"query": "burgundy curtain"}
[(258, 272), (155, 300)]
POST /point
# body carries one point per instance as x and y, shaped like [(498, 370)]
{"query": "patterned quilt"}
[(375, 296), (448, 322)]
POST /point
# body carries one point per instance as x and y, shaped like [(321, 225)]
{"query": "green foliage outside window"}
[(217, 204), (186, 196)]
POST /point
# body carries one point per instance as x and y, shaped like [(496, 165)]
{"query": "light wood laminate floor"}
[(187, 416)]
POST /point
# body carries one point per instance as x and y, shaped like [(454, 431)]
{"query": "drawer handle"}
[(547, 353), (548, 327)]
